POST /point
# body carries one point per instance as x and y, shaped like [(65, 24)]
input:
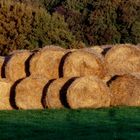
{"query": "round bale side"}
[(29, 93), (125, 91), (88, 92), (16, 67), (46, 63), (82, 63), (123, 59)]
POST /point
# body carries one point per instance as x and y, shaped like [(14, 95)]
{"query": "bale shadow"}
[(13, 94), (45, 90), (63, 92), (61, 65), (7, 58), (105, 51), (112, 79), (27, 64)]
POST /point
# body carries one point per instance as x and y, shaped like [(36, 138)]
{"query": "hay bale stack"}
[(123, 59), (29, 93), (16, 68), (88, 92), (125, 91), (82, 63), (54, 96), (46, 63), (5, 87)]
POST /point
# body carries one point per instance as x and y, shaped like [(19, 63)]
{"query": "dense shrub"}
[(27, 24), (27, 27), (103, 22)]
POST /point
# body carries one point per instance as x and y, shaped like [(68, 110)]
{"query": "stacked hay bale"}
[(88, 92), (82, 63), (82, 92), (52, 77), (46, 62), (28, 92), (123, 59), (125, 90), (17, 67)]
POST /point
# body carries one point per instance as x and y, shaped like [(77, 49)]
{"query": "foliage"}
[(34, 23), (26, 27)]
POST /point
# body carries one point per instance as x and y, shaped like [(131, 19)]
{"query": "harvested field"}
[(82, 63), (29, 93), (123, 59), (88, 92), (5, 87), (46, 63), (16, 68), (125, 90)]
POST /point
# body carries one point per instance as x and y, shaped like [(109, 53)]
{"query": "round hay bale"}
[(46, 63), (125, 91), (5, 87), (53, 97), (16, 68), (88, 92), (29, 93), (82, 63), (123, 59)]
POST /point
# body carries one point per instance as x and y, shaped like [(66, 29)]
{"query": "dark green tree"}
[(26, 27)]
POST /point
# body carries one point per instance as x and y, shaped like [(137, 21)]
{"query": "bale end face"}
[(88, 92), (125, 91)]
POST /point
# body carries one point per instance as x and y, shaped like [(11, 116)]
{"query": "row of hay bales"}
[(53, 77)]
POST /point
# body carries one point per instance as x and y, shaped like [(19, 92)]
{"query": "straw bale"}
[(29, 92), (123, 59), (88, 92), (82, 63), (125, 90), (16, 67), (46, 63)]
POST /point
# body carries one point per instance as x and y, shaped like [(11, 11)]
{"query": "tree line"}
[(29, 24)]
